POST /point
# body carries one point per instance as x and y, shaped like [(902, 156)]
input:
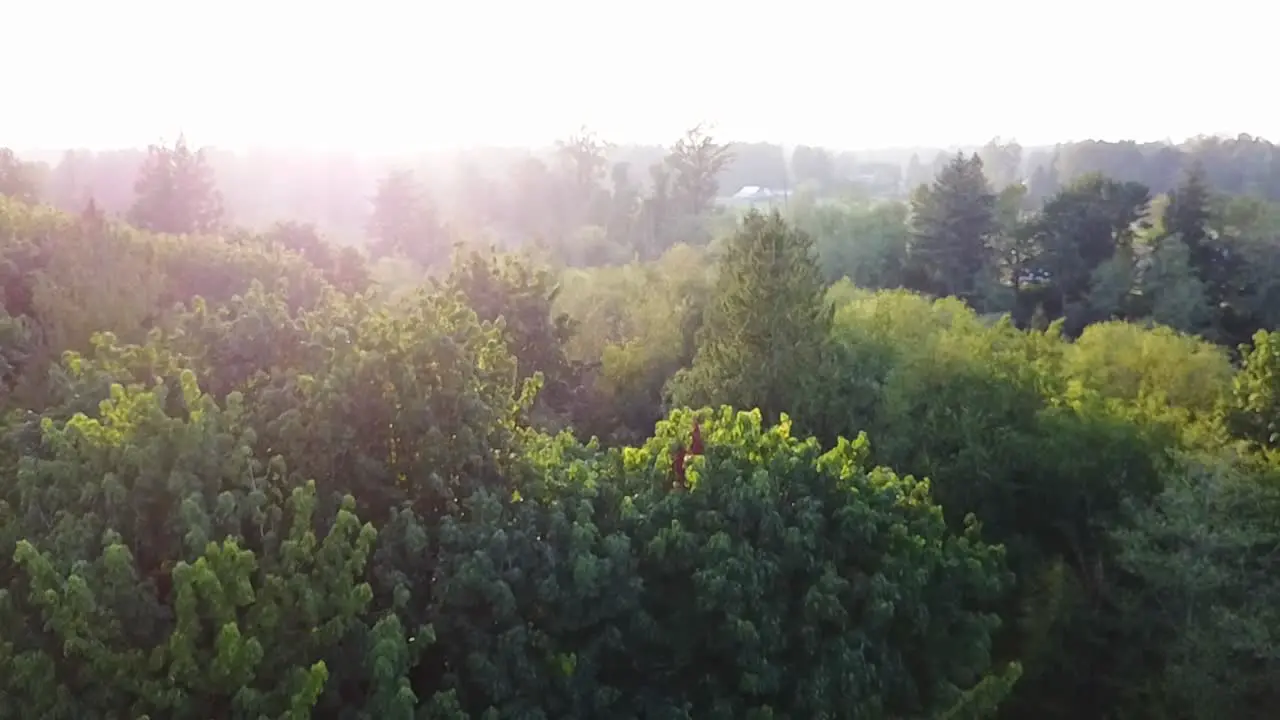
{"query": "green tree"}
[(865, 242), (1188, 215), (1208, 592), (766, 327), (519, 296), (952, 221), (1255, 407), (1174, 294), (176, 192), (1188, 219), (1084, 234)]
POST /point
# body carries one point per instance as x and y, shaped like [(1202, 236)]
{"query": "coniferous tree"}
[(176, 192), (1187, 215), (952, 221), (1187, 218), (767, 324)]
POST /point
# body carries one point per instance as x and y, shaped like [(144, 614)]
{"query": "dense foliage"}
[(988, 451)]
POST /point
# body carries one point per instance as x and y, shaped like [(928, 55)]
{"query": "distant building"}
[(754, 195)]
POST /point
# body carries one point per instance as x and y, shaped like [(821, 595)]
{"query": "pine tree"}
[(176, 192), (767, 325), (1187, 217), (951, 223)]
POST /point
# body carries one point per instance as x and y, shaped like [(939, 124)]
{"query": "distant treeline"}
[(332, 190)]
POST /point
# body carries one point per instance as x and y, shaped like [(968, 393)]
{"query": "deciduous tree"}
[(176, 191)]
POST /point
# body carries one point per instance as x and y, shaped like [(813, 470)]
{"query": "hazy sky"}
[(379, 76)]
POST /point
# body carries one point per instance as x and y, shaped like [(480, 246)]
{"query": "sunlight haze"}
[(404, 76)]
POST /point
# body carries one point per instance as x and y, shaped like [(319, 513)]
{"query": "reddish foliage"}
[(678, 466)]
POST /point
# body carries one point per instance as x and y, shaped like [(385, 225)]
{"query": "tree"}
[(584, 159), (344, 267), (952, 221), (1079, 231), (585, 156), (1002, 162), (1188, 216), (1254, 414), (404, 221), (1175, 295), (176, 192), (865, 242), (624, 208), (915, 174), (519, 295), (762, 345), (813, 165), (695, 163), (18, 179), (1188, 219), (657, 214), (1208, 590), (1012, 247)]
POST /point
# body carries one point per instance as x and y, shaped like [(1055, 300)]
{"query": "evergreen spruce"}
[(762, 342), (1187, 217), (952, 221)]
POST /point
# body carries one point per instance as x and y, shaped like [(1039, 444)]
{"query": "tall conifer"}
[(762, 342)]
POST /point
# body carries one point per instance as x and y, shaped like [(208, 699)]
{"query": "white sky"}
[(379, 75)]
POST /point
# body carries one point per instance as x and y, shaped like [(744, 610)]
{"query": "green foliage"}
[(1204, 553), (160, 570), (1006, 431), (951, 223), (512, 290), (1080, 229), (1255, 407), (1188, 217), (766, 325), (1176, 296), (865, 243), (242, 475), (636, 325), (1157, 368)]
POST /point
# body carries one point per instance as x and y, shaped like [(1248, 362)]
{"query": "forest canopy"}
[(702, 431)]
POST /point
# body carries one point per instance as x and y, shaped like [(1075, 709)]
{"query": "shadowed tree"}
[(952, 222)]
